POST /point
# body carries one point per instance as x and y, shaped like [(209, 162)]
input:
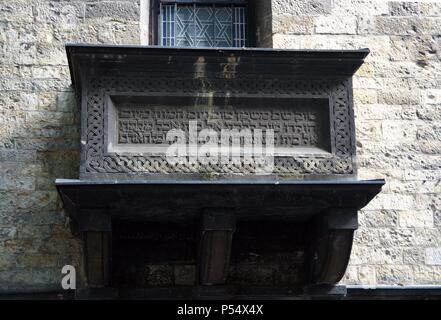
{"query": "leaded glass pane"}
[(184, 20), (223, 27), (204, 26), (193, 25)]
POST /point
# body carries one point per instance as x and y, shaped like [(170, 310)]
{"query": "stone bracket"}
[(96, 227), (331, 245), (218, 226), (97, 250)]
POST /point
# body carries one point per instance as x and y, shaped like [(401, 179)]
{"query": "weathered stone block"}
[(45, 72), (121, 10), (398, 8), (61, 13), (370, 130), (7, 233), (396, 69), (47, 101), (336, 25), (379, 112), (398, 275), (429, 132), (16, 11), (126, 33), (19, 176), (378, 218), (395, 25), (360, 7), (365, 96), (292, 24), (422, 175), (367, 275), (306, 7), (30, 279), (416, 219), (366, 25), (405, 8), (399, 130), (400, 186), (418, 47), (367, 237), (366, 255), (413, 256), (433, 256), (430, 147), (426, 275), (397, 237), (428, 237), (428, 26), (47, 54), (34, 232), (38, 260), (429, 113)]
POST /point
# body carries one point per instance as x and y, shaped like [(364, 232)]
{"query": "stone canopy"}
[(130, 98)]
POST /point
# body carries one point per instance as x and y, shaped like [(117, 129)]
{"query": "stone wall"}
[(398, 118), (397, 97), (39, 129)]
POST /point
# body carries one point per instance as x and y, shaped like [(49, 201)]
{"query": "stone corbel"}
[(331, 243), (95, 227), (218, 226)]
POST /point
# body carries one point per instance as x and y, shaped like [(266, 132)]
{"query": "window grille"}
[(203, 25)]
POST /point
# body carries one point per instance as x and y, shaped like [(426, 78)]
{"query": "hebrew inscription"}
[(138, 125), (142, 123)]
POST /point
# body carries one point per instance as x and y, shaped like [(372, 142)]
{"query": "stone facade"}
[(397, 99), (39, 129), (398, 122)]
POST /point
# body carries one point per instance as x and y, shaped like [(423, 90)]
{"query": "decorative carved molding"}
[(337, 91)]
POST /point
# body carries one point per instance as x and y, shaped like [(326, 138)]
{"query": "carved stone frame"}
[(97, 162)]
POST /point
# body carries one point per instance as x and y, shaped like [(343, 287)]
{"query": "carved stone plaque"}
[(141, 125), (127, 119)]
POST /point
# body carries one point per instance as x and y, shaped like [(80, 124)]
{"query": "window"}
[(203, 23)]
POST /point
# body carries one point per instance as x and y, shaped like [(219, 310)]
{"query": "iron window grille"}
[(203, 23)]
